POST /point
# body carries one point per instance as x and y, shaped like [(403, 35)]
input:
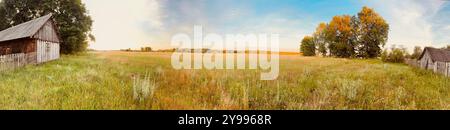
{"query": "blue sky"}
[(131, 24)]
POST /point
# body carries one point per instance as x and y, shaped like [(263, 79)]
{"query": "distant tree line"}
[(363, 35), (400, 54), (146, 49), (71, 17)]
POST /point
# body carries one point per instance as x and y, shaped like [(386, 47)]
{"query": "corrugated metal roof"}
[(24, 30), (442, 55)]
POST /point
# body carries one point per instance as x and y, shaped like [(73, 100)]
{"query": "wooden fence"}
[(412, 62), (13, 61), (438, 67)]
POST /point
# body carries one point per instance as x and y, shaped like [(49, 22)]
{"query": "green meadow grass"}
[(120, 80)]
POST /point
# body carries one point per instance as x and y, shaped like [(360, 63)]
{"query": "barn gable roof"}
[(442, 55), (24, 30)]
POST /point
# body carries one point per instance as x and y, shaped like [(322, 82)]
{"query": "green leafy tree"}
[(320, 39), (3, 21), (355, 25), (417, 52), (307, 47), (371, 32), (339, 36), (71, 17)]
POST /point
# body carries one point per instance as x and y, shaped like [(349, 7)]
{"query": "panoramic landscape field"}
[(137, 80)]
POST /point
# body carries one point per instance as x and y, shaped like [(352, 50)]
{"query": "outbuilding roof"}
[(24, 30), (442, 55)]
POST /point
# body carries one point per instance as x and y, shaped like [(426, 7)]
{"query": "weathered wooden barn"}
[(32, 42), (437, 60)]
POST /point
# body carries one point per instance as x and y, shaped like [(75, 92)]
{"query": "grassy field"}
[(120, 80)]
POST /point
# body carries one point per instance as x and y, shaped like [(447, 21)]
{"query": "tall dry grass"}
[(120, 80)]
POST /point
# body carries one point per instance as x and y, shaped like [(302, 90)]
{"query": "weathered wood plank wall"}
[(47, 51), (47, 33)]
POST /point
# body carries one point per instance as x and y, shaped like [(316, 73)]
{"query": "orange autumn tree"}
[(362, 35), (339, 37), (372, 33)]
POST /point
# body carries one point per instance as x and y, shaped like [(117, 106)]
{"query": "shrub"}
[(143, 88), (396, 55)]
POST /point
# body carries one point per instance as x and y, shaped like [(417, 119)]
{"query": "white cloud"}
[(118, 24), (448, 27), (410, 20), (291, 31), (154, 13)]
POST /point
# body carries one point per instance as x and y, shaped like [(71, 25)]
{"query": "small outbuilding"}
[(33, 42), (437, 60)]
